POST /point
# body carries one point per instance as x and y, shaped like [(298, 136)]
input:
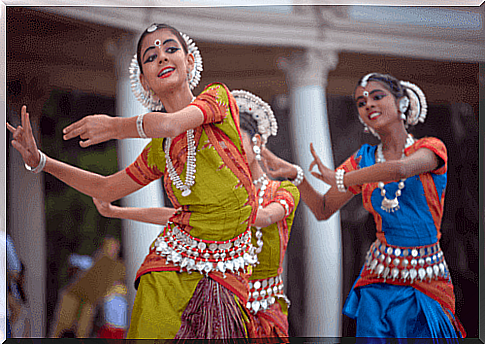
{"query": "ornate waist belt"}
[(263, 293), (407, 263), (205, 256)]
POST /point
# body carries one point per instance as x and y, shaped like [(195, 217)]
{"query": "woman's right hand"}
[(105, 208), (276, 167), (23, 140), (92, 129)]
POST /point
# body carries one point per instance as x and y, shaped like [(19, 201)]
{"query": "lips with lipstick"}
[(374, 115), (166, 72)]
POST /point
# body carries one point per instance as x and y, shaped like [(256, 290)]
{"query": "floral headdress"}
[(260, 111)]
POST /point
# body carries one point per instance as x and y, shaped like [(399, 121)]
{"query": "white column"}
[(306, 76), (27, 227), (136, 236)]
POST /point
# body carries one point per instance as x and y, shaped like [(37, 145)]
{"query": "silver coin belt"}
[(204, 256), (263, 293), (407, 263)]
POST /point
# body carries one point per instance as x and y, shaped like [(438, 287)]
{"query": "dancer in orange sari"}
[(277, 203), (193, 283)]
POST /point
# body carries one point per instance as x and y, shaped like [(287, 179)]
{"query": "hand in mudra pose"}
[(23, 139), (92, 129), (278, 168)]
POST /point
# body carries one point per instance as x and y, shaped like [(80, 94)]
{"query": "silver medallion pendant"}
[(390, 205), (186, 192)]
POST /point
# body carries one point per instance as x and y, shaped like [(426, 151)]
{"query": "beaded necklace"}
[(191, 164), (263, 180), (391, 205)]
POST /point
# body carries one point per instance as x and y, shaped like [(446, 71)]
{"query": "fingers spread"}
[(86, 143), (73, 133), (315, 156), (312, 165), (317, 175), (10, 128), (73, 126)]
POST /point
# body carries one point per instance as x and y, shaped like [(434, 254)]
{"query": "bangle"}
[(139, 126), (339, 180), (40, 166), (299, 176)]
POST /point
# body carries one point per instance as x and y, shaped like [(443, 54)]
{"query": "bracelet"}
[(339, 180), (139, 126), (40, 166), (299, 176)]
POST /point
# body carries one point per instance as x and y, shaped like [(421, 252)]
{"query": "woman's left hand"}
[(92, 129), (23, 140), (326, 174)]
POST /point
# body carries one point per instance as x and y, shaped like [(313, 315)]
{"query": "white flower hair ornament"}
[(418, 108), (260, 111), (147, 98)]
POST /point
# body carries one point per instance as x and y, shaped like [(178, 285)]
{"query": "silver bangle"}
[(299, 176), (339, 180), (139, 126), (40, 166)]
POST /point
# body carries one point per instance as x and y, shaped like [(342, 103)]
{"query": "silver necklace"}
[(191, 164), (259, 234), (391, 205)]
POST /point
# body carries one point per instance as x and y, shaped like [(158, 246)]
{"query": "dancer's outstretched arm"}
[(324, 206), (274, 212), (108, 188), (95, 129), (158, 216)]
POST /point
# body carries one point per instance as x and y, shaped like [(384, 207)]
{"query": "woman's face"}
[(164, 62), (377, 106)]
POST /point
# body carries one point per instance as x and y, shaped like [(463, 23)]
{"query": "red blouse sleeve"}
[(139, 170), (213, 109), (437, 147), (352, 164), (285, 198)]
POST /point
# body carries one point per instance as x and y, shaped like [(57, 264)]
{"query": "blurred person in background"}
[(19, 318)]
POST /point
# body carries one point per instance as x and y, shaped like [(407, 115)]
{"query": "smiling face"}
[(377, 106), (164, 62)]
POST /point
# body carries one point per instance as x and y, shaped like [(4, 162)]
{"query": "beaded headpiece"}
[(260, 111), (413, 103), (147, 98), (418, 107)]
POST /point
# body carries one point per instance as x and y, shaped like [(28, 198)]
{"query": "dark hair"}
[(248, 124), (159, 27), (390, 82)]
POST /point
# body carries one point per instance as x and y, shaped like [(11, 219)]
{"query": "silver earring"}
[(366, 129), (403, 104), (403, 116), (257, 151)]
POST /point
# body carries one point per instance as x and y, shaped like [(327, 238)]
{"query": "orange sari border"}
[(238, 284)]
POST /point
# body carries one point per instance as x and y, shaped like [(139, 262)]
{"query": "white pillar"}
[(306, 76), (136, 236), (27, 227)]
